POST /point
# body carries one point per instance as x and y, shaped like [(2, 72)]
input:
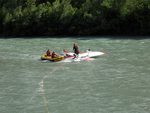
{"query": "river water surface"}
[(117, 82)]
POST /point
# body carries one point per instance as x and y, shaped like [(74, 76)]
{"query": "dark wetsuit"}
[(76, 49)]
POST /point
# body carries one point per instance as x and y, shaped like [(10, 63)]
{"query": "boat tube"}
[(91, 54)]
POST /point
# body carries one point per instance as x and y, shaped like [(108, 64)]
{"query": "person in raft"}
[(54, 55), (48, 52)]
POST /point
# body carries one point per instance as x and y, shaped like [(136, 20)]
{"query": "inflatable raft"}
[(56, 59)]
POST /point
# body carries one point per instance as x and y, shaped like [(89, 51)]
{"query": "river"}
[(117, 82)]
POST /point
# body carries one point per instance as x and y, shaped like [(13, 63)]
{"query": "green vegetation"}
[(74, 17)]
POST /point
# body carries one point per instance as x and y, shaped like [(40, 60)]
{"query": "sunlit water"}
[(117, 82)]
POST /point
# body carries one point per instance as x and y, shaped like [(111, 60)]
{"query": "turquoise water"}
[(117, 82)]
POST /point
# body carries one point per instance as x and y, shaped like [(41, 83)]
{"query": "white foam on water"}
[(77, 59), (41, 90)]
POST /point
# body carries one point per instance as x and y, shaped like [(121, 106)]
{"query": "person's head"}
[(49, 50), (74, 44), (64, 50)]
